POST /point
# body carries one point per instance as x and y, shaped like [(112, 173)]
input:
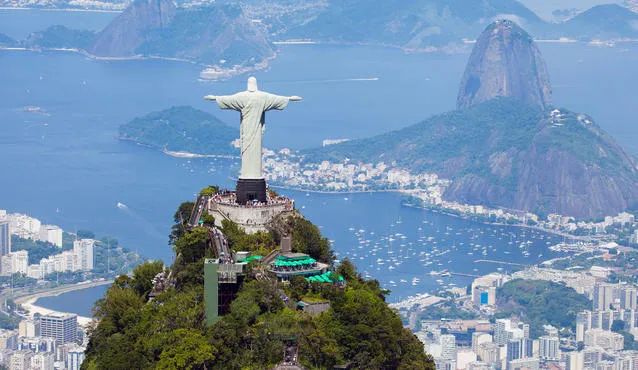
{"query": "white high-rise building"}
[(504, 330), (65, 261), (83, 250), (628, 295), (479, 338), (604, 339), (19, 262), (42, 361), (47, 266), (20, 360), (29, 328), (575, 361), (5, 265), (448, 346), (51, 234), (489, 353), (35, 272), (603, 296), (549, 348), (8, 339), (62, 327), (24, 226), (74, 358)]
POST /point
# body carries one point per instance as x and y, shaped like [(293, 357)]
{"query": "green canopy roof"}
[(251, 258), (326, 277), (281, 261)]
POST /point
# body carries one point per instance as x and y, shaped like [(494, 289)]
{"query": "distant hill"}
[(132, 27), (182, 129), (6, 40), (505, 62), (505, 153), (60, 37), (212, 34), (410, 24), (509, 152), (603, 22)]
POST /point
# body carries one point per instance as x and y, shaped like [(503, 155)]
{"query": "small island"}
[(182, 131)]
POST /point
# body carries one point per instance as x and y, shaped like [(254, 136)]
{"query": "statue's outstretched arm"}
[(295, 98), (235, 102)]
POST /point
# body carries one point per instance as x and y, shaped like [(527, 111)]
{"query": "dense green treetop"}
[(539, 303), (60, 37), (169, 332)]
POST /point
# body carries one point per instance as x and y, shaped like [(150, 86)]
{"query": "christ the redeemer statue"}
[(253, 105)]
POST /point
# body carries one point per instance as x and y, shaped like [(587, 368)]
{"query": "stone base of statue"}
[(252, 217), (249, 190)]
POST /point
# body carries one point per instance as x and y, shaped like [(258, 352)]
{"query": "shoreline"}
[(224, 74), (29, 301), (406, 192), (437, 210)]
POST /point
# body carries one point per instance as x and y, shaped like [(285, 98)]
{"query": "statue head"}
[(252, 84)]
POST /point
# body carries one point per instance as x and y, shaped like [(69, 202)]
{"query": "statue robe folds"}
[(253, 106)]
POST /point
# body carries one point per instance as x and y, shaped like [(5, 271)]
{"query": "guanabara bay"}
[(318, 184)]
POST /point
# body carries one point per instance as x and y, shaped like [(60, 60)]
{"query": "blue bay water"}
[(67, 167), (80, 302)]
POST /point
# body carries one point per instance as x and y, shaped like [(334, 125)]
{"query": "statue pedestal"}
[(250, 217), (251, 189)]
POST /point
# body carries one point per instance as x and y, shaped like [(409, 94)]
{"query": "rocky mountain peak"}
[(505, 62), (129, 30)]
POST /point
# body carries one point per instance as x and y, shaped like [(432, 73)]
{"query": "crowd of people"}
[(230, 198)]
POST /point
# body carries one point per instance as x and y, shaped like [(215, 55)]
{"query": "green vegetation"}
[(37, 249), (61, 37), (170, 332), (495, 154), (620, 327), (446, 310), (468, 141), (454, 144), (539, 303), (209, 191), (8, 322), (183, 129), (260, 243)]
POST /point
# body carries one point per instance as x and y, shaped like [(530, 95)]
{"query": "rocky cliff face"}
[(212, 34), (568, 166), (505, 62), (129, 30)]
